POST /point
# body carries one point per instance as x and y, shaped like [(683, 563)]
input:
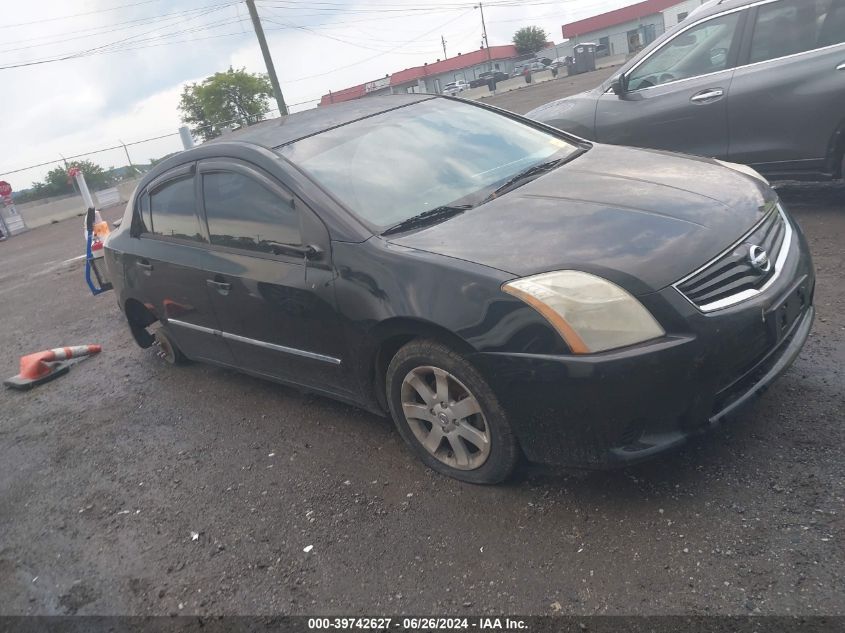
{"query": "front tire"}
[(448, 415)]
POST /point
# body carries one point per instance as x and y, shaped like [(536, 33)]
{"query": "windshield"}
[(399, 164)]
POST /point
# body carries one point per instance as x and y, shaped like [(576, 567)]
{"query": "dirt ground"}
[(131, 487)]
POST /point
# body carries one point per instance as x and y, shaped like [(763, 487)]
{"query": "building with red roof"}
[(431, 78), (626, 30), (622, 31)]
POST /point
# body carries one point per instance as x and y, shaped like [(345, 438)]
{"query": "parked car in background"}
[(530, 66), (758, 83), (537, 65), (455, 87), (496, 286), (485, 77)]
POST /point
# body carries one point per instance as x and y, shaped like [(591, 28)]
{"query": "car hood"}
[(641, 218)]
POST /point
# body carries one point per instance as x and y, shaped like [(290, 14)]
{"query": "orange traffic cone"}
[(41, 367)]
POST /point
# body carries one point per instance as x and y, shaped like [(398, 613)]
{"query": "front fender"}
[(576, 115)]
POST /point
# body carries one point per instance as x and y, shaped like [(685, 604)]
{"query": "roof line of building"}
[(408, 75), (617, 16)]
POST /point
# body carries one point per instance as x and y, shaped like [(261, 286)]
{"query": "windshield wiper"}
[(522, 176), (432, 216)]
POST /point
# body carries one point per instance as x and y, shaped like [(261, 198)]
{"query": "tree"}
[(57, 182), (225, 99), (529, 39)]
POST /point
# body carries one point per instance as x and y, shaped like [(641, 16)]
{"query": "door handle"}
[(145, 265), (708, 95), (841, 66), (220, 286)]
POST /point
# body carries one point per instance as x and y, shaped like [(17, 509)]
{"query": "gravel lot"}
[(130, 487)]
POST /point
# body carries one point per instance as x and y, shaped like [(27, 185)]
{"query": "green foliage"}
[(225, 99), (58, 183), (529, 39)]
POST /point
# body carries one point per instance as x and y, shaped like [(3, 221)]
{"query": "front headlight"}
[(590, 313)]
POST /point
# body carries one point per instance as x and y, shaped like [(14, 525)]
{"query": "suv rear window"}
[(789, 27)]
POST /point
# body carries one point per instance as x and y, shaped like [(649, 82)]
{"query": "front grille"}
[(732, 277)]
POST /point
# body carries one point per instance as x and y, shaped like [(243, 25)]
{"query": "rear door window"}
[(173, 210), (790, 27), (243, 213)]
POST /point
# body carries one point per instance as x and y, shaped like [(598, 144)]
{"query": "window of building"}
[(797, 26), (173, 210), (241, 213)]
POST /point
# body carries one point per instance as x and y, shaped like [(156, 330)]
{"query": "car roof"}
[(281, 131)]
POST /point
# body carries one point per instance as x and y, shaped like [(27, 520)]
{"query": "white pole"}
[(187, 139), (83, 189)]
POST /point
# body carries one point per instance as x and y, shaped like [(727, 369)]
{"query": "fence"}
[(40, 212)]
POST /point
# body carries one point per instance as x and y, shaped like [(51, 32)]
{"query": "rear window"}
[(789, 27), (173, 210)]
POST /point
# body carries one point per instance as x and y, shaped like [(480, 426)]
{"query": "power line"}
[(106, 47), (76, 15), (102, 29), (127, 44), (96, 151), (155, 138), (363, 61), (336, 39)]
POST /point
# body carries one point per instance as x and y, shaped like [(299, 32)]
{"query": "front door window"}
[(701, 50)]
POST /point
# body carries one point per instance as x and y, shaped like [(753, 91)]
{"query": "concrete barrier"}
[(107, 197), (515, 83), (40, 212)]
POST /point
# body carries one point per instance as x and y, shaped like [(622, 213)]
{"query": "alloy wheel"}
[(446, 418)]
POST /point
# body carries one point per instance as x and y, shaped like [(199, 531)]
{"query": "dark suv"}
[(484, 78), (759, 83)]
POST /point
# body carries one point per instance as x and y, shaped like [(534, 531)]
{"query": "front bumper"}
[(616, 408)]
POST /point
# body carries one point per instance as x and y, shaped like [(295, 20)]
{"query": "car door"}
[(788, 99), (164, 271), (270, 277), (676, 97)]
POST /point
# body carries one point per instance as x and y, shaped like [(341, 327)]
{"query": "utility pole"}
[(484, 31), (268, 60), (443, 41), (128, 158)]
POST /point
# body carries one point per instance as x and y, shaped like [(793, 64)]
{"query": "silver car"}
[(755, 82)]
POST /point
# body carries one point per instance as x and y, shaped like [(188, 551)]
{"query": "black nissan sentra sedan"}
[(499, 287)]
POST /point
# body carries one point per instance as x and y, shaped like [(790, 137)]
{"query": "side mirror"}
[(618, 85)]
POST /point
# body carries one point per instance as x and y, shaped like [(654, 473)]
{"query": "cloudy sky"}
[(129, 59)]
